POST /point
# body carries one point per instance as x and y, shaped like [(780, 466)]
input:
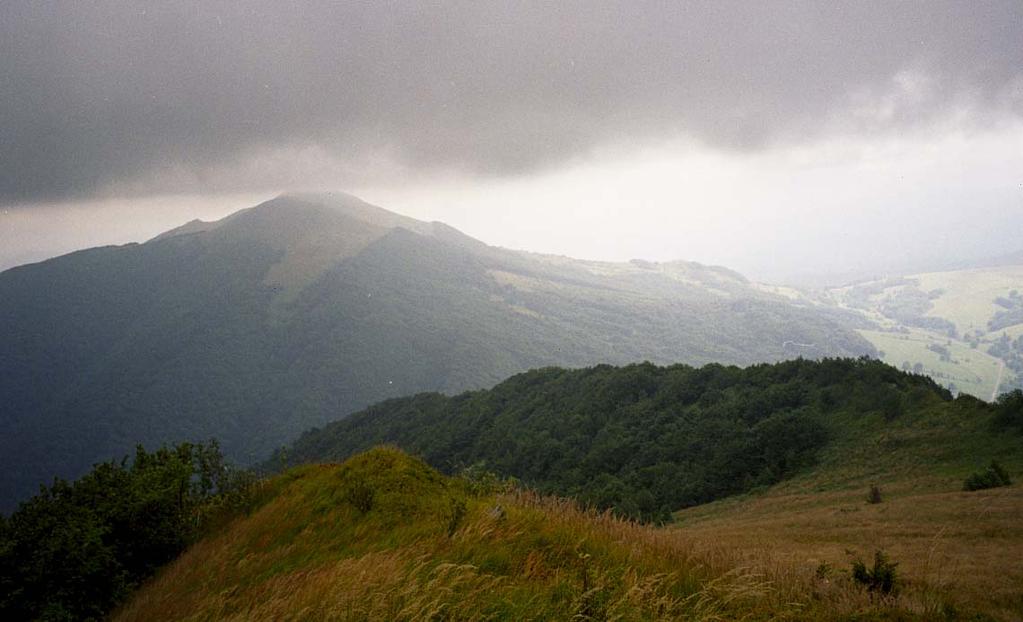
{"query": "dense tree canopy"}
[(76, 549), (642, 439), (1009, 410)]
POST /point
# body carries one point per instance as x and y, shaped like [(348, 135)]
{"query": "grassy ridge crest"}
[(318, 550)]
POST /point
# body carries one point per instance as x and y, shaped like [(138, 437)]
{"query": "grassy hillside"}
[(968, 297), (957, 551), (967, 369), (304, 309), (961, 327), (383, 536)]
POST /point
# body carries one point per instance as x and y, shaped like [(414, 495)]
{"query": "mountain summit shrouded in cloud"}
[(790, 140), (305, 308)]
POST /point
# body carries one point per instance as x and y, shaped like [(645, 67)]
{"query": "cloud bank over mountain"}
[(138, 98)]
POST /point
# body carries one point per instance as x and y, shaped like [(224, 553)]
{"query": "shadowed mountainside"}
[(306, 308)]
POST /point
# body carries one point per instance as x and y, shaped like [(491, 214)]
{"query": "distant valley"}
[(964, 328)]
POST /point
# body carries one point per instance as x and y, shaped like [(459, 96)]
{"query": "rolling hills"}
[(305, 308), (964, 327), (810, 468), (789, 515)]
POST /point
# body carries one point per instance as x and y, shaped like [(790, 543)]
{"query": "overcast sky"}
[(779, 138)]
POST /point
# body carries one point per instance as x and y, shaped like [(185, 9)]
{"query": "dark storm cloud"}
[(95, 94)]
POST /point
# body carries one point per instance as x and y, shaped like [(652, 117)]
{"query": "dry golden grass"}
[(311, 554), (958, 548)]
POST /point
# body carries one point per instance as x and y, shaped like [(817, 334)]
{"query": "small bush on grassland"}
[(991, 477), (458, 510), (823, 571), (882, 578), (481, 481), (360, 495), (874, 495)]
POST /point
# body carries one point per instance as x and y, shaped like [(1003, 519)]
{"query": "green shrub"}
[(882, 578), (481, 481), (823, 571), (458, 511), (360, 495), (874, 495), (992, 477)]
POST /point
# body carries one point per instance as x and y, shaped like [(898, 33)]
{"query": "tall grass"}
[(312, 552)]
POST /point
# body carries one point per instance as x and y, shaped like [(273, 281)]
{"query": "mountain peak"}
[(350, 206), (299, 216)]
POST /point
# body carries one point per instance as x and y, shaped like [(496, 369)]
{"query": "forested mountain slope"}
[(306, 308), (648, 440)]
